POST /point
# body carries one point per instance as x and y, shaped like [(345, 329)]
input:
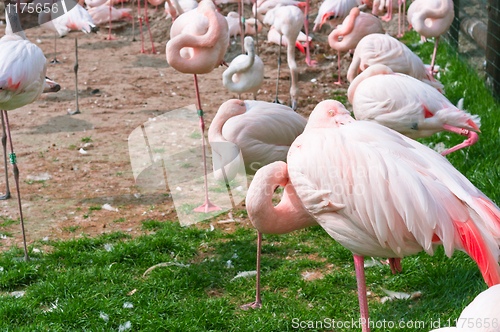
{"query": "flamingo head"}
[(328, 16), (329, 114), (302, 5)]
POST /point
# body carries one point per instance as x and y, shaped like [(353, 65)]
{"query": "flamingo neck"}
[(289, 215), (346, 28)]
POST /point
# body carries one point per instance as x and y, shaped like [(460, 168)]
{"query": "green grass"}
[(72, 284)]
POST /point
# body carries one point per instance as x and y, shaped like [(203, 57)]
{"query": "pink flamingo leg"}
[(256, 29), (473, 137), (257, 304), (110, 37), (434, 54), (207, 206), (399, 20), (387, 17), (147, 23), (140, 24), (306, 26), (404, 13), (338, 61), (242, 27), (359, 264)]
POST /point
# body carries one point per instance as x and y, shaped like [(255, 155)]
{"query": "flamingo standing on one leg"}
[(288, 21), (262, 132), (198, 42), (409, 106), (22, 81), (377, 48), (77, 19), (431, 18), (355, 26), (359, 181), (333, 12), (246, 71)]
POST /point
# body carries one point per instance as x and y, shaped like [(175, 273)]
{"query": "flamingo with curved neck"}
[(199, 39), (355, 26), (431, 18), (246, 71), (262, 131), (288, 216)]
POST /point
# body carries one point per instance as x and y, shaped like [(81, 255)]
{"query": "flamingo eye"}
[(331, 113)]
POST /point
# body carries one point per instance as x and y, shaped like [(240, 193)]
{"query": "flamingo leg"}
[(110, 37), (395, 264), (55, 50), (434, 54), (338, 62), (147, 23), (257, 304), (12, 157), (359, 263), (306, 26), (133, 23), (256, 28), (242, 26), (387, 17), (140, 24), (4, 145), (207, 206), (75, 69), (404, 21), (399, 19), (473, 137), (279, 68)]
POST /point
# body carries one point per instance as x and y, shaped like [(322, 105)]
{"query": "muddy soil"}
[(71, 166)]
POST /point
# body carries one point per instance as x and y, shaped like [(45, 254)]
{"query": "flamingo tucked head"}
[(328, 16), (329, 114)]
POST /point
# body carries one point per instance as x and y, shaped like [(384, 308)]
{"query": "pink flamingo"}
[(22, 81), (484, 308), (409, 106), (359, 181), (174, 8), (431, 18), (333, 12), (245, 74), (262, 131), (288, 21), (101, 14), (355, 26), (383, 49), (198, 42)]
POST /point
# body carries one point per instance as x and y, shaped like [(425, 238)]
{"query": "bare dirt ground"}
[(121, 89)]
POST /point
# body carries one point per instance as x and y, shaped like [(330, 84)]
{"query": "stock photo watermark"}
[(462, 323)]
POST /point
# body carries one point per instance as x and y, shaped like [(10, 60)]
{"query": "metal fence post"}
[(455, 25), (493, 47)]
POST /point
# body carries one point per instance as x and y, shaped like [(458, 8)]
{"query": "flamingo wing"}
[(22, 71), (264, 133), (379, 193)]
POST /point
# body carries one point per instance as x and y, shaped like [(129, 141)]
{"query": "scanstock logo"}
[(23, 15), (166, 156)]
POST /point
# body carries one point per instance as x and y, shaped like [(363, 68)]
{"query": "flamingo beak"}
[(302, 5), (50, 86), (473, 125), (325, 18)]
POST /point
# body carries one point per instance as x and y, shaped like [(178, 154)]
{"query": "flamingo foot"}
[(253, 305), (55, 61), (207, 207), (110, 38), (395, 264), (473, 137), (386, 18), (339, 82), (311, 63)]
